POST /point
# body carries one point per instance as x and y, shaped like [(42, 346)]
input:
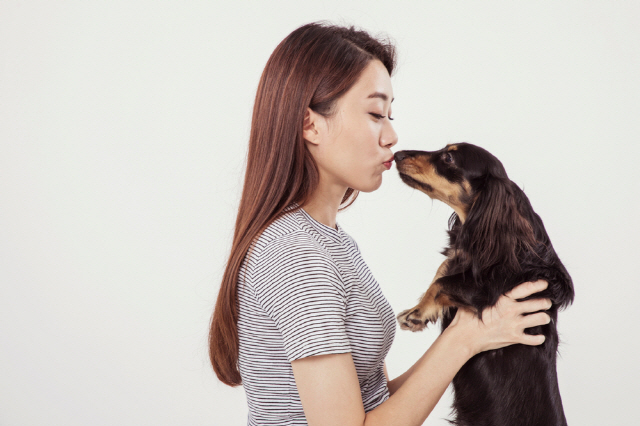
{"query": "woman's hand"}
[(503, 324)]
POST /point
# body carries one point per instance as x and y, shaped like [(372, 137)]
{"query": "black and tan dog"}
[(496, 241)]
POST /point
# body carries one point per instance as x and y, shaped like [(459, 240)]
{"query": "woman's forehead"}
[(374, 83)]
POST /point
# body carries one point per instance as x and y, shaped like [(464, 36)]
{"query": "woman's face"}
[(352, 148)]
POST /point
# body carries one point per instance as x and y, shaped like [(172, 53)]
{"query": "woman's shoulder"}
[(287, 255), (286, 237)]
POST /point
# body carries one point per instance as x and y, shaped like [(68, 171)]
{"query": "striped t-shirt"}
[(304, 290)]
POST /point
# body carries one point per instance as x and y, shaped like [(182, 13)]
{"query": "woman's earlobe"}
[(310, 127)]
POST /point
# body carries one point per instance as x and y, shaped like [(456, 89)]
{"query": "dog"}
[(496, 241)]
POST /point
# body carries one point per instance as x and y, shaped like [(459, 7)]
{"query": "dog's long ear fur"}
[(495, 230)]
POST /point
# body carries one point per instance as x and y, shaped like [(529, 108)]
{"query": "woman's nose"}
[(389, 137)]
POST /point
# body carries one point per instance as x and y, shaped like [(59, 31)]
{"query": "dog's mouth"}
[(415, 183)]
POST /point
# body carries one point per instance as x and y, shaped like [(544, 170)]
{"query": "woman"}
[(300, 321)]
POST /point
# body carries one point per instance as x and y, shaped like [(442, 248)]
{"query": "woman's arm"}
[(395, 384), (328, 384)]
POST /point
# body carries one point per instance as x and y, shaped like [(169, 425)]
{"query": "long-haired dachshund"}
[(496, 241)]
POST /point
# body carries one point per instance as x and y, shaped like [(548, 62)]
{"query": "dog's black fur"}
[(501, 244)]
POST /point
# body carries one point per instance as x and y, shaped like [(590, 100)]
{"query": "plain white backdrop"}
[(123, 135)]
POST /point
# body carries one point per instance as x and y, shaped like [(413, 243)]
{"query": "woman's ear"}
[(312, 126)]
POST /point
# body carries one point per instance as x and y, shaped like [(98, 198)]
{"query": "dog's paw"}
[(417, 319), (412, 320)]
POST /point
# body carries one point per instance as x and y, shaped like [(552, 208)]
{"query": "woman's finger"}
[(527, 289), (533, 320), (533, 305), (532, 340)]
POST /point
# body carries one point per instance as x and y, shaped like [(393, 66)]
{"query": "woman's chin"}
[(370, 186)]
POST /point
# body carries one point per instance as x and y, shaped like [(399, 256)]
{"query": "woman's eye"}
[(378, 116)]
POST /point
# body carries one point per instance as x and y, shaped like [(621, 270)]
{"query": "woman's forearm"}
[(415, 393), (395, 384)]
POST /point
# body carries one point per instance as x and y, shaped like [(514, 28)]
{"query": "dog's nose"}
[(399, 156)]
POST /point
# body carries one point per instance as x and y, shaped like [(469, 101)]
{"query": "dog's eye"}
[(447, 157)]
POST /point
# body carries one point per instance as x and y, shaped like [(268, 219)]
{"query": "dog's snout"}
[(403, 155), (399, 156)]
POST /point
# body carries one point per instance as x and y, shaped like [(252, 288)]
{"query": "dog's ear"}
[(560, 289), (495, 230)]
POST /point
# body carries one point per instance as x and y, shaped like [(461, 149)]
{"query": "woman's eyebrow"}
[(379, 95)]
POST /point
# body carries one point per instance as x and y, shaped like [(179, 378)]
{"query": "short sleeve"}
[(299, 287)]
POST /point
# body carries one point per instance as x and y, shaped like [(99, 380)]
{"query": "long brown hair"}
[(312, 67)]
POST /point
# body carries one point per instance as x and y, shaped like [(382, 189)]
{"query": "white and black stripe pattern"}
[(305, 290)]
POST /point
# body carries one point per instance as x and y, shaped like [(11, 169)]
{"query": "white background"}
[(123, 131)]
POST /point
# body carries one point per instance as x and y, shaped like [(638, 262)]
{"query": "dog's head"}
[(455, 175), (494, 213)]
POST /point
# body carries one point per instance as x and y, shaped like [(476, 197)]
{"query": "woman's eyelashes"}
[(379, 116)]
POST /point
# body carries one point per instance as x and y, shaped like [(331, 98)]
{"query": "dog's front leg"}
[(431, 305)]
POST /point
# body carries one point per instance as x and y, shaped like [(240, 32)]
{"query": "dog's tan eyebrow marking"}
[(380, 95), (452, 147)]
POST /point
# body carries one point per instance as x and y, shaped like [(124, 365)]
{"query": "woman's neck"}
[(324, 203)]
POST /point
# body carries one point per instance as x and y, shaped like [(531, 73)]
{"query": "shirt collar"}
[(321, 228)]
